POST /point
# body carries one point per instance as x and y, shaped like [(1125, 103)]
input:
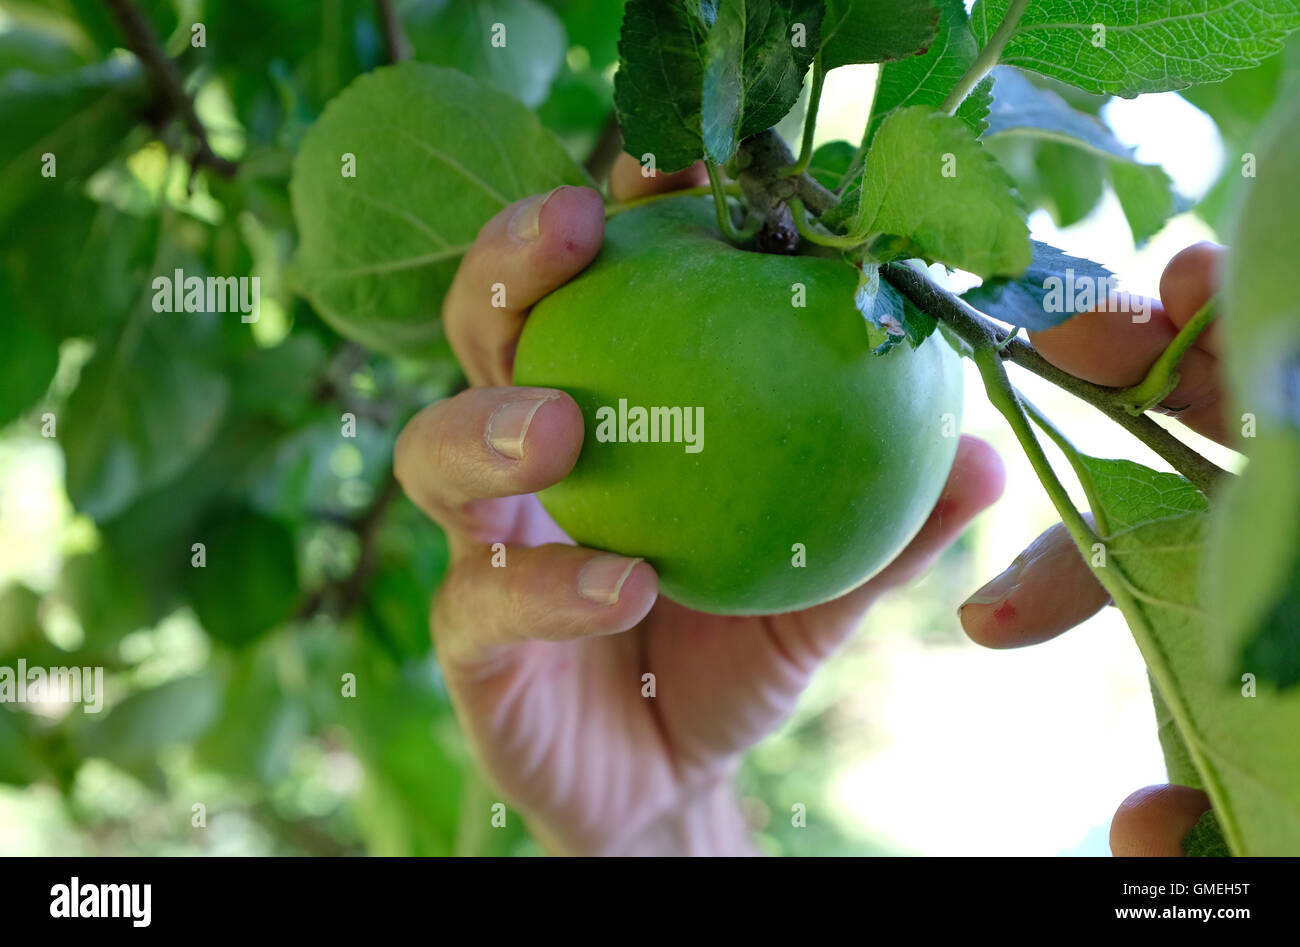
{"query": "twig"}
[(608, 147), (396, 47), (976, 331), (140, 38)]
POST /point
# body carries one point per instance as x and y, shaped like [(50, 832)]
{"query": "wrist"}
[(709, 822)]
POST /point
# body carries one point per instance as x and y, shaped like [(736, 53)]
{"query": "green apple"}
[(740, 434)]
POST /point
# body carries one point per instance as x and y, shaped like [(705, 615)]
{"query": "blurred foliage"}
[(131, 435)]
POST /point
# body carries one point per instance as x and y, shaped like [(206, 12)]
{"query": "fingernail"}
[(997, 589), (526, 222), (602, 578), (508, 426)]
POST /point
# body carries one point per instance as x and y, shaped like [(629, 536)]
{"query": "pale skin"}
[(545, 658)]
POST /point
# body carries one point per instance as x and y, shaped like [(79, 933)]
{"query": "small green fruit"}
[(816, 461)]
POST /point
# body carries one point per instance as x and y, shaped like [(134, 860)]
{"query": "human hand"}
[(1049, 588), (544, 658)]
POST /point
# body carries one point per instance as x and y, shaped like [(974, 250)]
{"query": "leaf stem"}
[(729, 230), (976, 330), (809, 121), (1081, 471), (618, 207), (1009, 404), (1163, 376), (988, 57), (805, 228)]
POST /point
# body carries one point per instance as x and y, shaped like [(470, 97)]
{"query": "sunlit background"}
[(936, 746), (910, 741)]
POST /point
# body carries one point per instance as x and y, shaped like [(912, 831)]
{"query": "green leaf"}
[(756, 54), (80, 118), (400, 725), (1055, 287), (830, 162), (250, 582), (107, 597), (1145, 47), (317, 466), (658, 88), (1134, 494), (20, 626), (1273, 654), (1147, 196), (516, 46), (28, 358), (1241, 103), (593, 25), (261, 722), (927, 180), (111, 252), (578, 109), (1205, 840), (974, 109), (1022, 108), (1243, 746), (135, 730), (1178, 761), (927, 79), (281, 381), (888, 311), (283, 59), (20, 762), (1255, 569), (1240, 106), (857, 31), (437, 155), (724, 79), (94, 18), (42, 53), (144, 408), (1069, 181)]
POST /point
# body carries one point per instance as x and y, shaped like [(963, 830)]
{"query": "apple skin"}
[(808, 437)]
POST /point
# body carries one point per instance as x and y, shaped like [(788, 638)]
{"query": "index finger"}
[(530, 248)]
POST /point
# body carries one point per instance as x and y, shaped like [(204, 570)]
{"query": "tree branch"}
[(606, 150), (396, 46), (167, 84), (977, 331), (764, 161)]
